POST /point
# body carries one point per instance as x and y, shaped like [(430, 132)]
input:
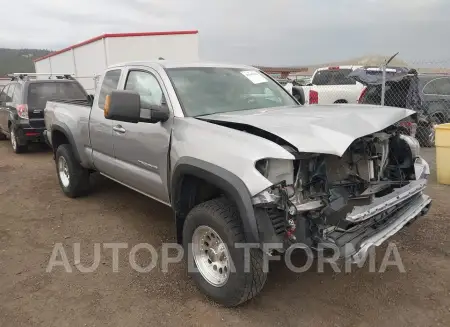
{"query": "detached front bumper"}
[(418, 208), (355, 244)]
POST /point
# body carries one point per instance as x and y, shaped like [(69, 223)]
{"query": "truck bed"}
[(71, 115)]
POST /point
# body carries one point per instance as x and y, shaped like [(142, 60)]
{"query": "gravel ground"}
[(34, 215)]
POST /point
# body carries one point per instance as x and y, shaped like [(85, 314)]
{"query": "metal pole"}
[(383, 84)]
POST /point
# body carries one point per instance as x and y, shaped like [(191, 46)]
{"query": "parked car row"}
[(427, 94), (332, 85), (240, 163)]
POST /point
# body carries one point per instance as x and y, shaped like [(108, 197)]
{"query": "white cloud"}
[(251, 31)]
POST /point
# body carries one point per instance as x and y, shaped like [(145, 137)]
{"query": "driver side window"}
[(147, 86)]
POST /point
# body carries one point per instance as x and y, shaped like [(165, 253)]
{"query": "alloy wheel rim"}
[(211, 256), (13, 139), (63, 170)]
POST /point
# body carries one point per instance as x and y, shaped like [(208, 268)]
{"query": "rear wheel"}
[(299, 95), (210, 233), (73, 178), (2, 136), (15, 142)]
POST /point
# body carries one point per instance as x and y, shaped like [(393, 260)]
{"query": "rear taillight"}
[(313, 97), (361, 96), (22, 111), (410, 127), (405, 123)]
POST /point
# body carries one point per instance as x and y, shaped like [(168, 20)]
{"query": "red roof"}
[(104, 36)]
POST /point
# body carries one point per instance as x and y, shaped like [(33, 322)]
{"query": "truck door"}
[(100, 128), (141, 149)]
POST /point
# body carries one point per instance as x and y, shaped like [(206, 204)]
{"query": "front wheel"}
[(219, 268), (73, 178)]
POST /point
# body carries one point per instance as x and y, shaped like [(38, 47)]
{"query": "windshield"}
[(209, 90)]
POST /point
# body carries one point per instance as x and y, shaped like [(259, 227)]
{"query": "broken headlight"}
[(277, 170)]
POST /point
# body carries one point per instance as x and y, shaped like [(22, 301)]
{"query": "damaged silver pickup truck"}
[(240, 162)]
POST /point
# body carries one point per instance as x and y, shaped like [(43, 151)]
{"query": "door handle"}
[(119, 129)]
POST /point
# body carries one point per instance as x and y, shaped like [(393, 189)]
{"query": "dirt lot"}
[(34, 215)]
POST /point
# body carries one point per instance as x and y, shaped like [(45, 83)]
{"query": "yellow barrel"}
[(443, 153)]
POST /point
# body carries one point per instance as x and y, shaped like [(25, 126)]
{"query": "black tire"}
[(15, 141), (2, 136), (299, 95), (425, 136), (426, 132), (78, 182), (222, 216)]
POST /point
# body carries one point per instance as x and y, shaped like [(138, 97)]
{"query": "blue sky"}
[(268, 32)]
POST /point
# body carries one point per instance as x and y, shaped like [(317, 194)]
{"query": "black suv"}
[(22, 104), (429, 96), (434, 90)]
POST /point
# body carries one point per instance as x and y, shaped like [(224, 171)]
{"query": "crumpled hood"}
[(326, 129)]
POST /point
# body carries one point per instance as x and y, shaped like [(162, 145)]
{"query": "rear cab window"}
[(333, 76), (40, 92)]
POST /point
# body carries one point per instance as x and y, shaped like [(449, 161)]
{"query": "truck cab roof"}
[(179, 64)]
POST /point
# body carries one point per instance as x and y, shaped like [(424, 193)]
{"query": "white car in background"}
[(329, 85)]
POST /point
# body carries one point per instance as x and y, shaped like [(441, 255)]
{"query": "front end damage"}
[(352, 202)]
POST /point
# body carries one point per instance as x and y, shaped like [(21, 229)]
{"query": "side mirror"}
[(125, 106), (90, 98), (154, 114)]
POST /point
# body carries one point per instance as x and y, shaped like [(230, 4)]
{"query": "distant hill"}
[(374, 60), (19, 60)]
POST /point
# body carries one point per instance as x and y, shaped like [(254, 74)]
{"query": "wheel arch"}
[(225, 181), (61, 134)]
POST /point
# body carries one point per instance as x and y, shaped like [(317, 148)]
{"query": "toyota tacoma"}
[(240, 161)]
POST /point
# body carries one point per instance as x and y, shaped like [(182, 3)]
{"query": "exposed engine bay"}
[(321, 198)]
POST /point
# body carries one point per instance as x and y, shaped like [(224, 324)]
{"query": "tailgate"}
[(330, 94), (36, 116)]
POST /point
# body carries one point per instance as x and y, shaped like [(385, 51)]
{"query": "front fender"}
[(232, 185)]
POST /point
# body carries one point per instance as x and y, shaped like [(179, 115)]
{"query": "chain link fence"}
[(420, 86)]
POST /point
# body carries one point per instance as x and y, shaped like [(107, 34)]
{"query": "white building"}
[(87, 59)]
